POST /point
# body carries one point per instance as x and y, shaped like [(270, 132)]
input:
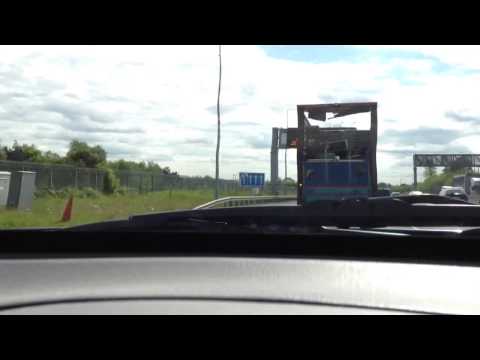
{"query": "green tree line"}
[(82, 154), (79, 154)]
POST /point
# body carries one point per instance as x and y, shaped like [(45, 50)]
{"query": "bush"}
[(124, 191), (62, 193), (110, 181), (434, 183), (44, 193), (67, 192), (89, 193)]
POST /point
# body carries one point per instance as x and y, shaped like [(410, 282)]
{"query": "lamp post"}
[(217, 166), (286, 154)]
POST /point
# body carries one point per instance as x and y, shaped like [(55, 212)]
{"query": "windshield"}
[(96, 133)]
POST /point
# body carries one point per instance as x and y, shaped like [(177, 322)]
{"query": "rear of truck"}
[(335, 162)]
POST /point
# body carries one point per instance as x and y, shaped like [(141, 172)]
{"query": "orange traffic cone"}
[(67, 213)]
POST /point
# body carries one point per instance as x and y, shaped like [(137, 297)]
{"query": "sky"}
[(158, 103)]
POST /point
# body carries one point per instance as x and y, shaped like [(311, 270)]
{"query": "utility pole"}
[(217, 168)]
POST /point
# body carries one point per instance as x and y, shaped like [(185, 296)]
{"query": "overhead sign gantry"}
[(445, 160)]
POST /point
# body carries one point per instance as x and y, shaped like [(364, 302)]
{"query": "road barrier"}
[(235, 201)]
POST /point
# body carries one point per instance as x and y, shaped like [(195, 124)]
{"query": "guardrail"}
[(234, 201)]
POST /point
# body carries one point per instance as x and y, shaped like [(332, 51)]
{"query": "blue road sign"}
[(252, 179)]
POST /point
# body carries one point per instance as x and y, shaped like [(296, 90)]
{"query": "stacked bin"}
[(22, 188), (4, 188)]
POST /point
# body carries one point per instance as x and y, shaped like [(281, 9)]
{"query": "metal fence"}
[(53, 176), (146, 181), (56, 177)]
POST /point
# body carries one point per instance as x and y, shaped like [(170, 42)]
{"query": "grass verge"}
[(47, 211)]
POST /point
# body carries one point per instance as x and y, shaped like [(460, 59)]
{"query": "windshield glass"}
[(95, 133)]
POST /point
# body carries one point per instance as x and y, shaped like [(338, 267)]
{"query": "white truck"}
[(470, 184)]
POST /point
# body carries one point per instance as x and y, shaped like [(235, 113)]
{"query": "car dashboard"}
[(234, 285)]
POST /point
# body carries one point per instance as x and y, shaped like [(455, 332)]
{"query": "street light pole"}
[(217, 167), (286, 154)]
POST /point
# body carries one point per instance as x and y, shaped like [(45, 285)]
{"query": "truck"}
[(470, 183), (335, 162)]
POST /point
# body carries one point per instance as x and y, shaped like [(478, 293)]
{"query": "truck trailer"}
[(335, 162)]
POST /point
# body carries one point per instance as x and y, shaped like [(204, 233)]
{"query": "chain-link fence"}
[(54, 176), (145, 181)]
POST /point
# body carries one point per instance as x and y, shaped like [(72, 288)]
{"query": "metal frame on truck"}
[(319, 112)]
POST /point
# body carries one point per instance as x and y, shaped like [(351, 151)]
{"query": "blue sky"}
[(318, 54), (315, 54), (330, 53)]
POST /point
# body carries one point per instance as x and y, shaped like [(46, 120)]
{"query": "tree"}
[(402, 188), (430, 171), (288, 181), (81, 154), (166, 170), (50, 157), (433, 182), (3, 153), (150, 166), (383, 185), (121, 165), (142, 166), (153, 167), (23, 152)]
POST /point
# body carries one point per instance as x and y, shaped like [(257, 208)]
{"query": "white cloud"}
[(155, 102)]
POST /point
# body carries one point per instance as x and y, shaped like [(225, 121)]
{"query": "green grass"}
[(47, 211)]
